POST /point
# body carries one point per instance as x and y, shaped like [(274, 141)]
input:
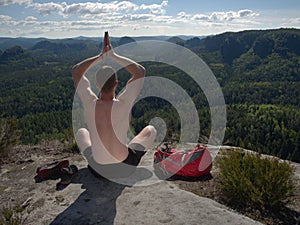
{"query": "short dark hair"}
[(109, 74)]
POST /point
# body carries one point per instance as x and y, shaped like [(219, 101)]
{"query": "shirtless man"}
[(104, 142)]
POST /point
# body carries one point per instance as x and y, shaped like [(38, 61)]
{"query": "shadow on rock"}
[(97, 204)]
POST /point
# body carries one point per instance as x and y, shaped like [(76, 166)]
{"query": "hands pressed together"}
[(107, 47)]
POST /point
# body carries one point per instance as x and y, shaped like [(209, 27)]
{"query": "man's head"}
[(109, 74)]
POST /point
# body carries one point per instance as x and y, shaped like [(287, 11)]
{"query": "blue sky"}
[(63, 18)]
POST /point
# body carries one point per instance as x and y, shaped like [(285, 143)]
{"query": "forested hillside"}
[(259, 72)]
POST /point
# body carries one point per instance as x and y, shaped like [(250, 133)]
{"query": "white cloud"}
[(182, 15), (164, 19), (219, 16), (125, 6), (291, 22), (137, 17), (49, 8), (96, 8), (30, 18), (200, 17), (246, 12), (11, 2), (5, 18), (155, 8)]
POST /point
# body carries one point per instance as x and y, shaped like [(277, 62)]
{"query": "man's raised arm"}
[(134, 68), (80, 68)]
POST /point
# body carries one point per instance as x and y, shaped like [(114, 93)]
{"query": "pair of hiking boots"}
[(56, 170)]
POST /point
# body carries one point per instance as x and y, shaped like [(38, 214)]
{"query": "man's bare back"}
[(114, 140)]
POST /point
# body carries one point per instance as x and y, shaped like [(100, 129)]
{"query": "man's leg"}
[(84, 143), (83, 139), (145, 137)]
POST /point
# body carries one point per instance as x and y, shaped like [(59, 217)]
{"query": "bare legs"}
[(145, 138), (83, 139), (84, 143)]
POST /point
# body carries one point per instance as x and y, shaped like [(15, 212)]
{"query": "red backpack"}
[(186, 163)]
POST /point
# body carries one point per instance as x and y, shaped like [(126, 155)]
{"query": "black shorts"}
[(135, 154), (124, 168)]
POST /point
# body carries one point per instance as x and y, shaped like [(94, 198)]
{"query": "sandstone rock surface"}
[(90, 200)]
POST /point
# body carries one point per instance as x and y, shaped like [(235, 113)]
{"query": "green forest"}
[(258, 71)]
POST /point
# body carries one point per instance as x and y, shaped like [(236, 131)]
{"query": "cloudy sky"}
[(71, 18)]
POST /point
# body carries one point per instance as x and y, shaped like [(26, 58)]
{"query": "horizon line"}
[(162, 35)]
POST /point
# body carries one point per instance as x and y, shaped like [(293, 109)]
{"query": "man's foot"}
[(50, 171)]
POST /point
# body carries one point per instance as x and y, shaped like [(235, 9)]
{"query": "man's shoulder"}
[(84, 90)]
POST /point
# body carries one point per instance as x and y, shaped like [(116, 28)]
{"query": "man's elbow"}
[(74, 70), (76, 75), (142, 72)]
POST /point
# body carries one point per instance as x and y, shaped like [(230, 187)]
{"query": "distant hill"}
[(12, 53), (176, 40), (125, 40), (6, 43), (26, 43), (263, 43)]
